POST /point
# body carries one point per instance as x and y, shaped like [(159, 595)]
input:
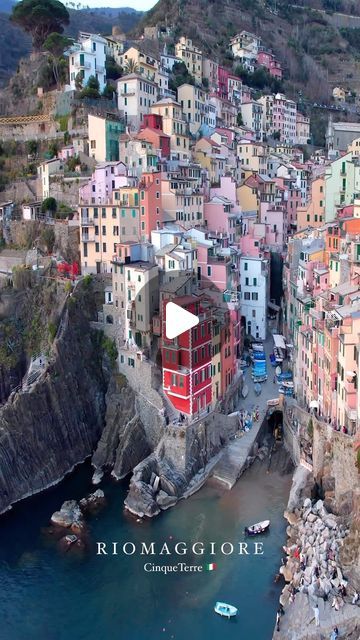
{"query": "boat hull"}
[(225, 610)]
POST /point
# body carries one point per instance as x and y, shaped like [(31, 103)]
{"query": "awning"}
[(279, 341), (314, 404), (273, 306)]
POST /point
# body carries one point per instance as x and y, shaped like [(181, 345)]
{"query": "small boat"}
[(288, 384), (273, 403), (226, 610), (244, 391), (259, 378), (285, 375), (257, 347), (286, 391), (243, 364), (257, 388), (259, 527)]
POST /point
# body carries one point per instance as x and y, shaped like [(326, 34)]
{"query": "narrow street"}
[(235, 454)]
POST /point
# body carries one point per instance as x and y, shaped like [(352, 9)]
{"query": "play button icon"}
[(178, 320)]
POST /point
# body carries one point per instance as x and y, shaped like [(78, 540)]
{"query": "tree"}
[(131, 67), (40, 18), (92, 89), (55, 44), (79, 79), (53, 149), (32, 147), (113, 70), (239, 119), (49, 205), (108, 92)]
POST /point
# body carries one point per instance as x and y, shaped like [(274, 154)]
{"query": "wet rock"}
[(69, 513), (165, 501), (97, 476), (93, 501), (141, 499)]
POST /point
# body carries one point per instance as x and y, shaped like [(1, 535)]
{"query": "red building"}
[(153, 121), (223, 82), (160, 141), (186, 361)]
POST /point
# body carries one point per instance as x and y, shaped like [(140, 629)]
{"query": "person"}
[(278, 615), (317, 615), (355, 598), (342, 590), (334, 634), (335, 603)]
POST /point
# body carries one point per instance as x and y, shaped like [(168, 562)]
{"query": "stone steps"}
[(234, 457)]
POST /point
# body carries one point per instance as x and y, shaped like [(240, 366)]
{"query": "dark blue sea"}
[(49, 595)]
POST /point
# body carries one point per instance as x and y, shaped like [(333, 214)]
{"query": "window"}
[(97, 247), (255, 282), (115, 231), (254, 296), (103, 230), (245, 266), (104, 246), (209, 271), (103, 212), (247, 295)]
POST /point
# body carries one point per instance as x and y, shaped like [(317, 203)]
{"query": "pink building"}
[(223, 78), (106, 177), (267, 59), (273, 217), (66, 152)]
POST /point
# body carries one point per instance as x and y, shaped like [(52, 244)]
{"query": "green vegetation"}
[(113, 70), (55, 44), (40, 18), (87, 281), (47, 238), (63, 122), (260, 79), (239, 119), (310, 428), (179, 76), (92, 89), (131, 67), (110, 349), (49, 205), (10, 344), (52, 328)]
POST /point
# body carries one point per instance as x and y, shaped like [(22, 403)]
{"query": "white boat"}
[(259, 527), (226, 610), (288, 383), (257, 347), (273, 403)]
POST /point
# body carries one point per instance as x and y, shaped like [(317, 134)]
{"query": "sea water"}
[(47, 594)]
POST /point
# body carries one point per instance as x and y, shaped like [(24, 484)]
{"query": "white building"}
[(31, 211), (245, 47), (252, 115), (87, 58), (254, 294), (136, 95), (47, 169)]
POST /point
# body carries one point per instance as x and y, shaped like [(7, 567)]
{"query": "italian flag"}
[(211, 567)]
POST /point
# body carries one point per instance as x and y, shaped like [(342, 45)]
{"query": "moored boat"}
[(225, 610), (259, 527), (273, 403)]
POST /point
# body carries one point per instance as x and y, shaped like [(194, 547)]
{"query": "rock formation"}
[(55, 424)]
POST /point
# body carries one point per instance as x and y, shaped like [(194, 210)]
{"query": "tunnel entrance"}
[(275, 422)]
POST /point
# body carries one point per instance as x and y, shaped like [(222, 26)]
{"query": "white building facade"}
[(254, 295), (87, 58)]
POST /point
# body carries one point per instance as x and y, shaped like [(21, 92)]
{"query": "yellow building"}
[(248, 197), (191, 56), (103, 227), (147, 66), (209, 156), (253, 156), (175, 126)]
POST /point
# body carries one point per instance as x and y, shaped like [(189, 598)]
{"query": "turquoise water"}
[(47, 595)]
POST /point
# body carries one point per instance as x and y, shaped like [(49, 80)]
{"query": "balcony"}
[(85, 65), (127, 93), (87, 222), (88, 237)]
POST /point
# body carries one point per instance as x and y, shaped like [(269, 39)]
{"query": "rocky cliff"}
[(124, 442), (56, 423)]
